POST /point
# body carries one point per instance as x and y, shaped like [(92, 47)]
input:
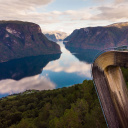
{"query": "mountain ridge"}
[(55, 35), (21, 39), (99, 37)]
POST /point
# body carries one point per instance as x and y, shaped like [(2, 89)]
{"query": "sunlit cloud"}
[(35, 82), (25, 10), (112, 13)]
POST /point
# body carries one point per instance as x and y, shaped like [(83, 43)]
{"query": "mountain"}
[(99, 37), (56, 36), (25, 67), (21, 39), (123, 25)]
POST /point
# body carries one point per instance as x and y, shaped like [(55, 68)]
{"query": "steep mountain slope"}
[(99, 37), (56, 36), (20, 39)]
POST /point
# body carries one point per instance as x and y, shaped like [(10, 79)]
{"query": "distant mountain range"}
[(56, 36), (99, 37), (20, 39)]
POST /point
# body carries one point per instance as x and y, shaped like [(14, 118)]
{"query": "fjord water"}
[(46, 71)]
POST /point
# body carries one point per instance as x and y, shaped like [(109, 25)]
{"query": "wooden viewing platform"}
[(111, 87)]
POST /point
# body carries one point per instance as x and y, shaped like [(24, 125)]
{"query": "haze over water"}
[(47, 71)]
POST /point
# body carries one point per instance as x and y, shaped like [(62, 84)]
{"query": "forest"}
[(76, 106)]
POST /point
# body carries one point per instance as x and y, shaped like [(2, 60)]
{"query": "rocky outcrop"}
[(56, 36), (20, 39), (99, 37)]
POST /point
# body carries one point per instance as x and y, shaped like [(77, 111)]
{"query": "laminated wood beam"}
[(111, 87)]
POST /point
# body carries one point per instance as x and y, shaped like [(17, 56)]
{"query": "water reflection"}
[(37, 82), (81, 68), (46, 72), (86, 55), (70, 68), (24, 67), (27, 73)]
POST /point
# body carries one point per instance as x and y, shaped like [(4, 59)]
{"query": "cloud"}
[(115, 1), (34, 11), (112, 13), (103, 14), (27, 10), (79, 14), (23, 4), (35, 82), (120, 1)]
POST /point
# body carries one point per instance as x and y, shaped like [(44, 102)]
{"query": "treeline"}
[(72, 107)]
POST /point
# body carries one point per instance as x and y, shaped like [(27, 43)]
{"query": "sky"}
[(65, 15)]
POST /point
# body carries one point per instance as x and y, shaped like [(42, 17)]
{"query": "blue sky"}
[(65, 15), (63, 5)]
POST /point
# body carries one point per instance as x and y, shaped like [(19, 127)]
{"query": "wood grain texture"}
[(111, 87)]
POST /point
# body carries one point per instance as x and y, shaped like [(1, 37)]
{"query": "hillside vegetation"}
[(73, 107)]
